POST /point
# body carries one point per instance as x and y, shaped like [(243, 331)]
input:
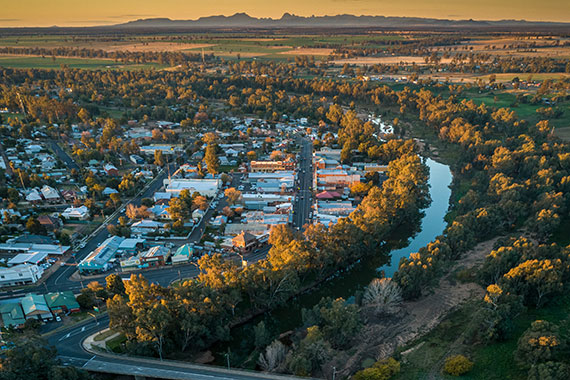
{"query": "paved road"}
[(71, 352), (62, 155), (304, 199)]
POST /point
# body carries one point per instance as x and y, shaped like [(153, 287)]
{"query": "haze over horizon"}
[(106, 12)]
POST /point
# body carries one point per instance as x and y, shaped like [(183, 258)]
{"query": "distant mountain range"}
[(243, 20)]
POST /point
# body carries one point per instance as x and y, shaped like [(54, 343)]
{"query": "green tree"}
[(114, 285), (540, 343), (457, 365)]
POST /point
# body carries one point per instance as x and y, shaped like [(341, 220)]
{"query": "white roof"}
[(27, 258)]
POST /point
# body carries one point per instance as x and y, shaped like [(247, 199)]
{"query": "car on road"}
[(240, 187)]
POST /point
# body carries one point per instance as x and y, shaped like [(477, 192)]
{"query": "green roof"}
[(59, 299), (185, 250), (32, 303), (12, 314)]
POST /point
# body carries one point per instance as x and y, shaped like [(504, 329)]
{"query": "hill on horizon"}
[(338, 21)]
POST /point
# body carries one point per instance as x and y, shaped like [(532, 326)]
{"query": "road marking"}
[(87, 362), (64, 337)]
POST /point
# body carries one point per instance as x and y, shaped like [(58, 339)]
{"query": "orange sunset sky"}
[(106, 12)]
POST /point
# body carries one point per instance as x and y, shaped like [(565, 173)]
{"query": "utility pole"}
[(227, 355), (334, 373)]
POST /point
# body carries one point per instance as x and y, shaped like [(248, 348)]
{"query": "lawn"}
[(452, 336)]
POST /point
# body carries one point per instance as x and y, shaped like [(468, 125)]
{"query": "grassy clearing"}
[(452, 336), (116, 344), (103, 335)]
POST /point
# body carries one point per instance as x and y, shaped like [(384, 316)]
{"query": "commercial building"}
[(51, 250), (62, 302), (244, 243), (35, 306), (183, 254), (22, 274), (205, 187), (333, 179), (99, 260), (12, 314), (155, 256), (272, 166)]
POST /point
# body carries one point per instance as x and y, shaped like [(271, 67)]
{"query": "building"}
[(111, 170), (22, 274), (52, 250), (50, 194), (100, 259), (244, 242), (81, 213), (147, 226), (34, 258), (156, 256), (272, 166), (35, 306), (62, 302), (49, 222), (12, 314), (205, 187), (183, 254), (333, 179), (165, 149)]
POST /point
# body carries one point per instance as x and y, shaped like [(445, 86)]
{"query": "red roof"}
[(328, 195)]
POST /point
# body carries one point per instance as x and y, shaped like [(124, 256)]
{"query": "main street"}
[(304, 199)]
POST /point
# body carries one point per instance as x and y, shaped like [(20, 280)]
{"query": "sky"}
[(107, 12)]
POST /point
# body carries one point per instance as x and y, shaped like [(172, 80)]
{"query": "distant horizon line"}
[(115, 22)]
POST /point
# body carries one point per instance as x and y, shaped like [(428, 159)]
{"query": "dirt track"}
[(379, 339)]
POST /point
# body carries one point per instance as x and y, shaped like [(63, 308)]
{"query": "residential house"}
[(81, 213), (50, 194), (49, 222), (147, 226), (111, 170)]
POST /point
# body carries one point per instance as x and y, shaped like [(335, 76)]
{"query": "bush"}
[(381, 370), (457, 365)]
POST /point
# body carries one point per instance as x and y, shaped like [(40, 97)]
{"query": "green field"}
[(27, 62)]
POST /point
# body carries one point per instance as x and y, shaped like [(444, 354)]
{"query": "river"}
[(345, 285)]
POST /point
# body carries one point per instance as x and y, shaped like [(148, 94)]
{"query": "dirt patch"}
[(308, 51), (395, 60), (153, 46), (379, 339)]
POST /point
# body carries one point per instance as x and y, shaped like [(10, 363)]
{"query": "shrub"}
[(381, 370), (457, 365)]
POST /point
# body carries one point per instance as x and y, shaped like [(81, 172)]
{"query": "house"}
[(219, 221), (183, 254), (20, 275), (159, 212), (155, 256), (108, 191), (62, 302), (244, 242), (12, 314), (136, 159), (49, 222), (81, 213), (50, 194), (35, 306), (146, 226), (198, 214), (34, 197), (111, 170)]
